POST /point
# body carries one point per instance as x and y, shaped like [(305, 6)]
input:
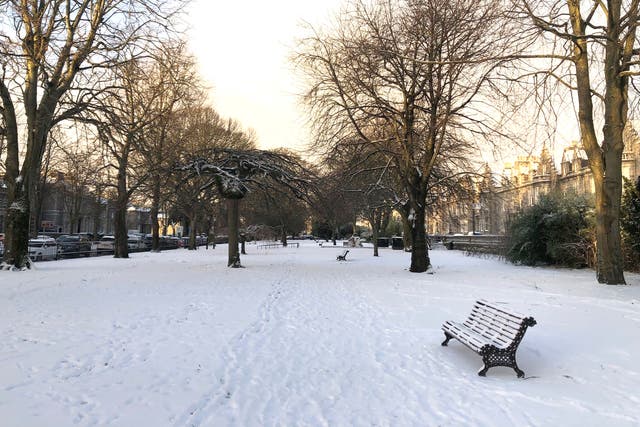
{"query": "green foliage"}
[(554, 231), (322, 230), (394, 228), (630, 222)]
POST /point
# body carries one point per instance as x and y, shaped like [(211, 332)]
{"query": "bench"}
[(342, 256), (491, 331), (277, 245)]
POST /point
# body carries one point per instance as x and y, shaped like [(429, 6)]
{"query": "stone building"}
[(499, 198), (68, 208)]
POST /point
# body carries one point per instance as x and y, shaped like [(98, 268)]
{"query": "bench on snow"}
[(342, 256), (492, 332)]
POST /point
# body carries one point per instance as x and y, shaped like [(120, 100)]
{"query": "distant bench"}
[(492, 332), (343, 255), (277, 245)]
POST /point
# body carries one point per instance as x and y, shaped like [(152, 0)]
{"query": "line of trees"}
[(401, 93), (104, 91), (418, 82), (57, 58), (401, 83)]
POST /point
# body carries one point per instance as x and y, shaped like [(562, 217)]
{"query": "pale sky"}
[(243, 47)]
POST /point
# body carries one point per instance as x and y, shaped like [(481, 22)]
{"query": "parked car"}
[(106, 244), (73, 245), (148, 241), (221, 238), (43, 248), (168, 242), (135, 242)]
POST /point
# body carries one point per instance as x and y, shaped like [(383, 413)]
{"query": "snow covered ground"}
[(299, 339)]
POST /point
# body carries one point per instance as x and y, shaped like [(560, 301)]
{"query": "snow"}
[(296, 338), (18, 206)]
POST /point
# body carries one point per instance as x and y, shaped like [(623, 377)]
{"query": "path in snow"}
[(325, 351)]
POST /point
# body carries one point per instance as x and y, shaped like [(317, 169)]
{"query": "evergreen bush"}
[(630, 223), (394, 228), (555, 231)]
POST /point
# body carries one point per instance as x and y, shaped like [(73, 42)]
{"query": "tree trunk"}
[(36, 203), (609, 260), (155, 209), (17, 233), (233, 219), (192, 231), (375, 229), (420, 261), (22, 183), (605, 160), (121, 249), (283, 235), (407, 232)]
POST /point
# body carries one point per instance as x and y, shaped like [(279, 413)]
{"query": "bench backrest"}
[(497, 324)]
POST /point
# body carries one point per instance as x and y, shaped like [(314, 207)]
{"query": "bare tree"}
[(44, 46), (280, 210), (329, 202), (126, 117), (368, 181), (592, 49), (405, 77), (177, 107), (78, 166), (234, 172)]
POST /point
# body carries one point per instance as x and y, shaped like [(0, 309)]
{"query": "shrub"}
[(394, 228), (554, 231), (630, 223)]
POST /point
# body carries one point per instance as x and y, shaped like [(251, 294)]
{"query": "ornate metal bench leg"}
[(483, 372), (519, 372), (448, 337)]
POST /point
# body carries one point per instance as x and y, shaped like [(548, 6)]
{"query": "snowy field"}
[(299, 339)]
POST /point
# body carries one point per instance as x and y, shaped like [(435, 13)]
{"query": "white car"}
[(106, 244), (43, 248), (135, 242)]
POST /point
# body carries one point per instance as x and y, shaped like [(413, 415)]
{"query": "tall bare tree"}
[(44, 46), (198, 128), (280, 210), (404, 76), (329, 202), (126, 117), (180, 98), (593, 51)]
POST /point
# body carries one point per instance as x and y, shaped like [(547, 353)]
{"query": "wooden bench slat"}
[(487, 311), (469, 340), (501, 309), (493, 318), (507, 331), (491, 337), (499, 329), (477, 339)]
